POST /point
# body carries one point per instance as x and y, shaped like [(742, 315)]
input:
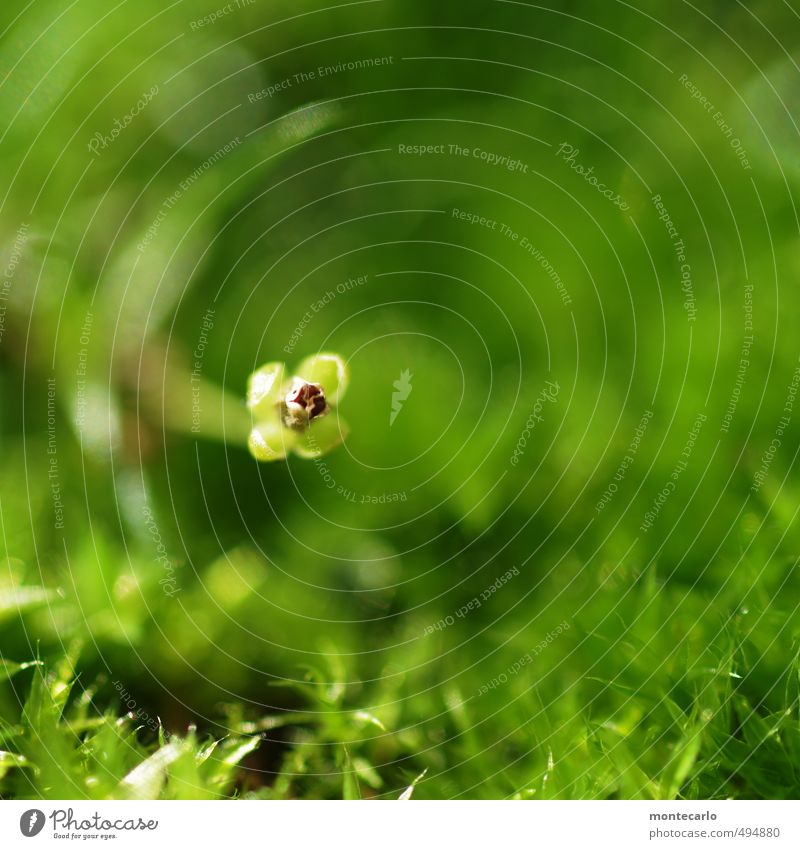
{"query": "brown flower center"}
[(304, 402)]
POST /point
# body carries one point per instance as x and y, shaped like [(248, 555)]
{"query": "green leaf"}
[(406, 794), (220, 770), (322, 436), (15, 600), (147, 779), (264, 388), (240, 749), (9, 668), (367, 773), (350, 788), (205, 753), (270, 440), (9, 760), (329, 370), (680, 764), (368, 718)]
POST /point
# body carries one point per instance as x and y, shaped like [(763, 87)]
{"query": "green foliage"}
[(178, 620), (58, 750)]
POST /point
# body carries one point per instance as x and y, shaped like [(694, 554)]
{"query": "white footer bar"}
[(405, 825)]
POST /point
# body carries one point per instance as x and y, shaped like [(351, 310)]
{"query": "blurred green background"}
[(181, 186)]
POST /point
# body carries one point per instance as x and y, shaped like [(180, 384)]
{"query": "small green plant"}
[(297, 413), (62, 746)]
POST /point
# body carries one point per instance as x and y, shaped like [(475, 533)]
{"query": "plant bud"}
[(264, 388), (303, 403), (292, 415), (269, 440), (329, 371)]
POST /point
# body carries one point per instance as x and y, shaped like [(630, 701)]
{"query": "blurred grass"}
[(678, 676)]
